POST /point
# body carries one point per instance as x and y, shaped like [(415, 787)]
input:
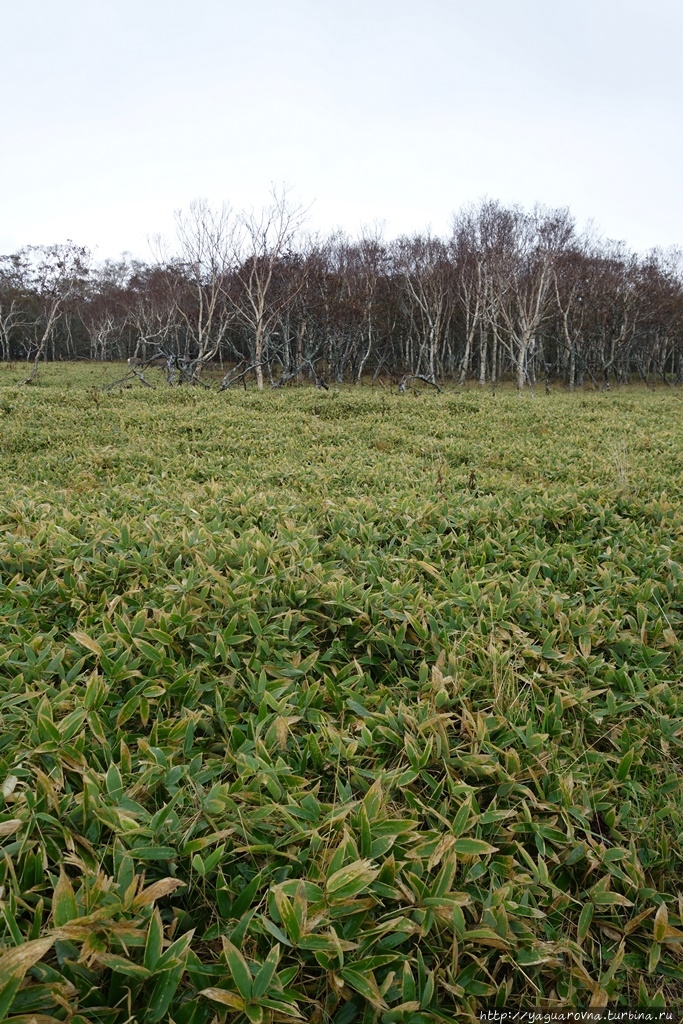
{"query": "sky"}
[(118, 112)]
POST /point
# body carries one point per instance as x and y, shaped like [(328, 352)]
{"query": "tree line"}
[(508, 293)]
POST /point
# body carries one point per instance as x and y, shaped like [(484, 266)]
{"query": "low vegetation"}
[(335, 707)]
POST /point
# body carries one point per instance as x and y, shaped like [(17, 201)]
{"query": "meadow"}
[(336, 707)]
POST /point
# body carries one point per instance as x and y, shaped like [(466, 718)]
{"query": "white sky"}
[(117, 112)]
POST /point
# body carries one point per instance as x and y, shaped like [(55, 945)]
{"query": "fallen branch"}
[(32, 376), (131, 373), (232, 376), (286, 377), (416, 376)]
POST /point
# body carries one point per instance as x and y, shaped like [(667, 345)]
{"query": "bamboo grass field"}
[(335, 707)]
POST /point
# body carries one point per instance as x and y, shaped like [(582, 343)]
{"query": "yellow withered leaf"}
[(429, 568), (155, 891), (9, 827), (225, 998), (9, 785), (635, 921), (599, 999), (87, 641), (485, 936), (22, 957), (349, 880), (661, 922)]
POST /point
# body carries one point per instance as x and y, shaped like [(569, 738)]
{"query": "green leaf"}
[(254, 1013), (114, 783), (351, 880), (155, 941), (14, 964), (264, 975), (373, 801), (153, 853), (120, 965), (585, 919), (176, 951), (244, 900), (472, 847), (365, 985), (8, 990), (276, 932), (239, 969), (287, 1009), (290, 920), (625, 765), (166, 986), (427, 991), (64, 907), (462, 817), (576, 854)]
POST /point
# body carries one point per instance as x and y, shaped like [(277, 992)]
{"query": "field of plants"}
[(336, 707)]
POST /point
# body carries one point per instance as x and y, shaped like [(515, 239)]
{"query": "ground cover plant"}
[(346, 706)]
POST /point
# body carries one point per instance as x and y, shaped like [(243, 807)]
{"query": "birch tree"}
[(200, 279), (531, 245), (15, 318), (467, 250), (427, 281), (53, 276), (263, 238)]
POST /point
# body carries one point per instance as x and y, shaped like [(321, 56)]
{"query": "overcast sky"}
[(117, 113)]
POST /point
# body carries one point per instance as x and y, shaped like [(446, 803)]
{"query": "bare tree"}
[(571, 280), (372, 264), (105, 312), (15, 317), (508, 292), (614, 308), (264, 239), (468, 253), (423, 264), (661, 327), (54, 277), (199, 281), (152, 315), (531, 244)]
